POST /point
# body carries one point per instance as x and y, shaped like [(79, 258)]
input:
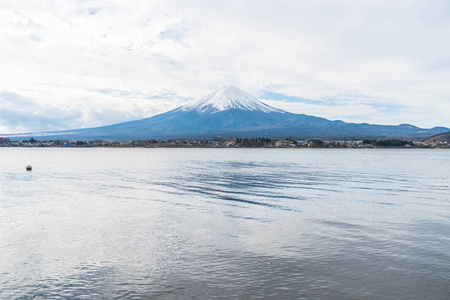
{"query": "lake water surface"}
[(224, 224)]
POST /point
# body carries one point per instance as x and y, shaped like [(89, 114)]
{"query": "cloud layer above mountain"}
[(71, 64)]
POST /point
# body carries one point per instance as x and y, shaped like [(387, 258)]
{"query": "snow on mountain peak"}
[(228, 97)]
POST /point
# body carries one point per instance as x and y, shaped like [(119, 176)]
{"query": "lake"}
[(135, 223)]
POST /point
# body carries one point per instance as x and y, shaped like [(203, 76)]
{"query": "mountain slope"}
[(230, 112), (439, 138)]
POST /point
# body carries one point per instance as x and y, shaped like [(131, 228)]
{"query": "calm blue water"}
[(224, 224)]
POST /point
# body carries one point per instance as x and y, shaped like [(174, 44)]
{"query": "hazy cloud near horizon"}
[(72, 64)]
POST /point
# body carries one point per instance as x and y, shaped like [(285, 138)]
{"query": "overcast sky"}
[(73, 64)]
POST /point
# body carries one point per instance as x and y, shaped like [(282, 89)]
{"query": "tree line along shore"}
[(258, 142)]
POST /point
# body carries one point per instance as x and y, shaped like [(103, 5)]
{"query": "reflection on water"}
[(224, 223)]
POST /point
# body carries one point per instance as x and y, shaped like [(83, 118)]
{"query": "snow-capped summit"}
[(228, 97)]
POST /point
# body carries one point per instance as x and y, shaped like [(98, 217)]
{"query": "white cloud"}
[(89, 63)]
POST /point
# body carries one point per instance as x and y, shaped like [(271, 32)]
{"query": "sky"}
[(73, 64)]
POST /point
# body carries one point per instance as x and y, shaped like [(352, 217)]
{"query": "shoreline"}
[(169, 147), (251, 143)]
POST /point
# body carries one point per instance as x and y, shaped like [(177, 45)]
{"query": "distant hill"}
[(230, 112), (439, 138)]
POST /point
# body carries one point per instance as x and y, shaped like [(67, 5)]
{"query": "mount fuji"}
[(230, 112)]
